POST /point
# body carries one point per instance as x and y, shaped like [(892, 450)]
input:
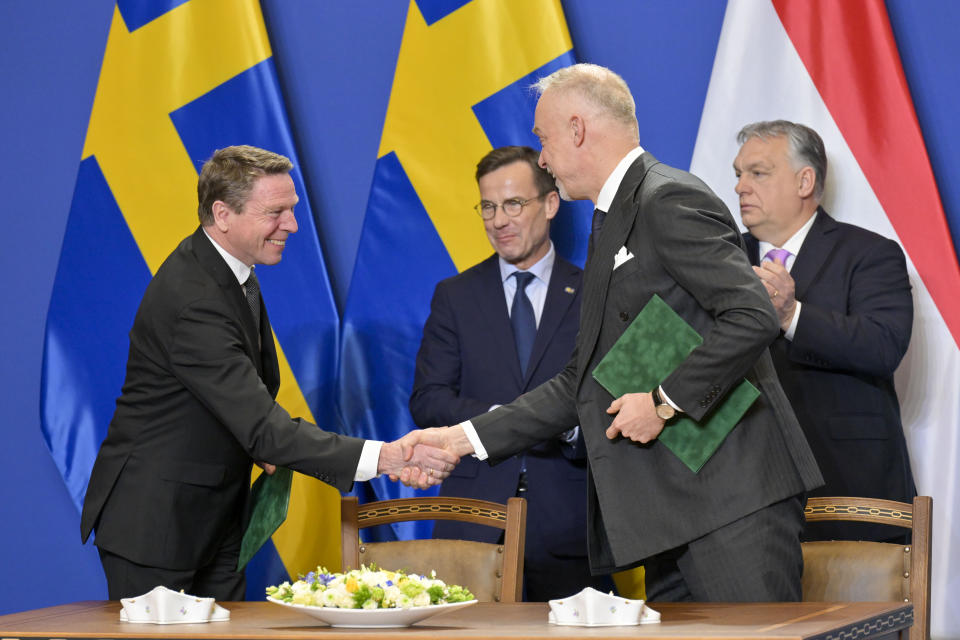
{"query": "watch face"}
[(665, 411)]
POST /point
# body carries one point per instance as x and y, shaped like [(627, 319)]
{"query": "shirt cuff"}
[(468, 429), (792, 329), (369, 460), (666, 398)]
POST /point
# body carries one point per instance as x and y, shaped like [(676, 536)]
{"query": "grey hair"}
[(804, 144), (600, 86)]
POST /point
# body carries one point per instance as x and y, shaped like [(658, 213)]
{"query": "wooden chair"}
[(851, 571), (494, 573)]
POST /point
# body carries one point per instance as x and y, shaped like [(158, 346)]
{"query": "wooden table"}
[(262, 620)]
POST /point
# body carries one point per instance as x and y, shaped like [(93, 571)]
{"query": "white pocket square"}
[(622, 256)]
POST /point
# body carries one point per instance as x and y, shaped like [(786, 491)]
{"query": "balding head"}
[(599, 87), (586, 122)]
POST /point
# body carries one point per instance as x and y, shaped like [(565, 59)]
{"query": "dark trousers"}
[(217, 579), (754, 559)]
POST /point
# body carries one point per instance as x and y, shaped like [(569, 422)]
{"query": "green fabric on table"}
[(270, 496), (654, 344)]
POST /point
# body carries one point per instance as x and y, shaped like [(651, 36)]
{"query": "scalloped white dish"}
[(373, 618)]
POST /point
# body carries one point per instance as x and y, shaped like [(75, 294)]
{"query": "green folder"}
[(654, 344), (270, 496)]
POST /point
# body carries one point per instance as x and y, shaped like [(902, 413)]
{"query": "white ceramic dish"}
[(373, 618)]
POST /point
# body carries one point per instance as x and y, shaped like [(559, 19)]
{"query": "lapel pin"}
[(568, 289)]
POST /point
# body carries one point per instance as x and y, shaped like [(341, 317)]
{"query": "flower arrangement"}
[(368, 588)]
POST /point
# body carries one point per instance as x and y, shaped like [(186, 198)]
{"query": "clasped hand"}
[(780, 287), (416, 462), (636, 419)]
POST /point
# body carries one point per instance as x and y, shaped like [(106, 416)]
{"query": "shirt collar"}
[(541, 269), (609, 190), (796, 240), (240, 270)]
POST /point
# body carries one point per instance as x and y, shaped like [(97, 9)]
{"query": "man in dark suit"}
[(729, 532), (474, 358), (169, 489), (843, 299)]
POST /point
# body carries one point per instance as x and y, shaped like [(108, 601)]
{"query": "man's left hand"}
[(780, 287), (636, 419)]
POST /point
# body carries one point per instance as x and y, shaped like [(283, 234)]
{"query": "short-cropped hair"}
[(804, 146), (502, 156), (229, 175), (600, 86)]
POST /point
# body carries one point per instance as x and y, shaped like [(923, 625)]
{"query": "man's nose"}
[(740, 186), (288, 222), (500, 217), (540, 161)]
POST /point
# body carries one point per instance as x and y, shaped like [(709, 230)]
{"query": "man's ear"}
[(221, 215), (807, 182), (552, 202), (577, 129)]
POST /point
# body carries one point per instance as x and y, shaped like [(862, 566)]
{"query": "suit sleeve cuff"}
[(666, 398), (792, 329), (369, 460), (471, 433)]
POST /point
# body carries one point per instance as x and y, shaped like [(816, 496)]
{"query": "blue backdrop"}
[(335, 61)]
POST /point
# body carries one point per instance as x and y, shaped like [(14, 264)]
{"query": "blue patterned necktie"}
[(523, 319)]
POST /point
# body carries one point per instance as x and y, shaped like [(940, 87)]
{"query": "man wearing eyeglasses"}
[(496, 331)]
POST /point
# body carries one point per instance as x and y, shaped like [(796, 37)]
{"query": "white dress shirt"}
[(370, 455)]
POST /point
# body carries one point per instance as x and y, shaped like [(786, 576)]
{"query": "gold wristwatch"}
[(664, 411)]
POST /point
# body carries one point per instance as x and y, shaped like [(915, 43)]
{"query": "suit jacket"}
[(467, 363), (642, 498), (197, 407), (853, 331)]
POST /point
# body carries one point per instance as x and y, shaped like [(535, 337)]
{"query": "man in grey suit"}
[(730, 532)]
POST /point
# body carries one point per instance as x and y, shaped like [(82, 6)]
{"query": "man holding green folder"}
[(672, 347)]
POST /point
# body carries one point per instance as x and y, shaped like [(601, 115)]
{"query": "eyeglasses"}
[(512, 206)]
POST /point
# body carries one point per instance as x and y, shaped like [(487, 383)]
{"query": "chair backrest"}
[(492, 572), (852, 571)]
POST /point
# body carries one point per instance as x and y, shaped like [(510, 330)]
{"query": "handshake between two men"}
[(425, 457)]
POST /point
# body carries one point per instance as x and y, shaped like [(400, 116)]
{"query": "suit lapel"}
[(613, 235), (813, 255), (215, 265), (753, 249), (560, 295)]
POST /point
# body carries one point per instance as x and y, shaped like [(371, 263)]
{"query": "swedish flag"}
[(461, 87), (179, 80)]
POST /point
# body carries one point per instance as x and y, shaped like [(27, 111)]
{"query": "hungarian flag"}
[(834, 66)]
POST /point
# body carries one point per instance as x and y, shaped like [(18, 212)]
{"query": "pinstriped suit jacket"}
[(642, 499)]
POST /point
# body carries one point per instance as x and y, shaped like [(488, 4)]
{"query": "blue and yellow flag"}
[(179, 80), (461, 88)]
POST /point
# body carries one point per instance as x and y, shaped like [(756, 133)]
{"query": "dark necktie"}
[(523, 319), (251, 289), (595, 227)]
